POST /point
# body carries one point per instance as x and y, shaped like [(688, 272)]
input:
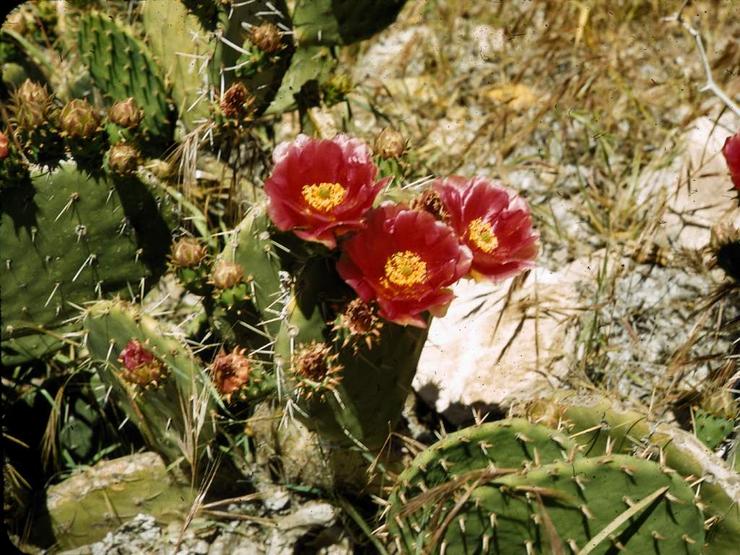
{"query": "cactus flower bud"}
[(266, 37), (4, 146), (237, 102), (140, 366), (123, 159), (731, 152), (126, 113), (230, 372), (315, 366), (31, 103), (79, 119), (226, 274), (188, 252), (389, 144)]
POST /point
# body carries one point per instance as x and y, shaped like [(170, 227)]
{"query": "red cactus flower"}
[(404, 259), (731, 152), (140, 366), (493, 222), (321, 189)]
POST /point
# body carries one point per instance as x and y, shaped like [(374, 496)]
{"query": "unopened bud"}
[(31, 105), (126, 113), (230, 372), (266, 37), (140, 366), (123, 159), (79, 119), (188, 252), (226, 274), (389, 144)]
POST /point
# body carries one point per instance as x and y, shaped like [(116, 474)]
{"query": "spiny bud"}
[(31, 103), (123, 159), (430, 201), (226, 274), (361, 321), (230, 372), (4, 146), (79, 119), (140, 366), (126, 113), (313, 361), (188, 252), (389, 144), (237, 102), (266, 37)]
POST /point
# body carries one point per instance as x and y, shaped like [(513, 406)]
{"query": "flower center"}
[(405, 268), (324, 196), (482, 235)]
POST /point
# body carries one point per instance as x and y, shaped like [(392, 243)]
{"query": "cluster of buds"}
[(315, 366), (402, 258), (140, 366)]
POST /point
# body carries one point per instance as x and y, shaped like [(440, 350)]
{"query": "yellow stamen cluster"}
[(324, 196), (482, 236), (405, 268)]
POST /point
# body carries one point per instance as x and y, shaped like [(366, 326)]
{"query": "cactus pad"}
[(70, 238)]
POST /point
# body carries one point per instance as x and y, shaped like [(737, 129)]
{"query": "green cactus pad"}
[(596, 423), (84, 508), (711, 430), (332, 22), (70, 238), (157, 412), (312, 63), (559, 507), (178, 40), (263, 81), (121, 67)]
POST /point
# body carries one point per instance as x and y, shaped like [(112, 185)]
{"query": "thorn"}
[(672, 498), (485, 543), (53, 291), (461, 521), (657, 536), (687, 539), (627, 470), (627, 501), (530, 547), (586, 512), (573, 545)]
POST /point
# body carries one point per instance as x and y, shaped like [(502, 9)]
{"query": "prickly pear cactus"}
[(332, 22), (514, 487), (601, 428), (122, 67), (155, 378), (68, 237)]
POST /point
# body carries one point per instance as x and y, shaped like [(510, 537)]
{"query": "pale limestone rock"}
[(471, 360)]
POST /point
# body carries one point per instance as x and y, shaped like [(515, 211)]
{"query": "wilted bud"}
[(237, 102), (188, 252), (125, 113), (230, 372), (226, 274), (140, 366), (79, 119), (4, 146), (123, 159), (389, 144), (31, 103), (359, 321), (430, 201), (313, 361), (266, 37)]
